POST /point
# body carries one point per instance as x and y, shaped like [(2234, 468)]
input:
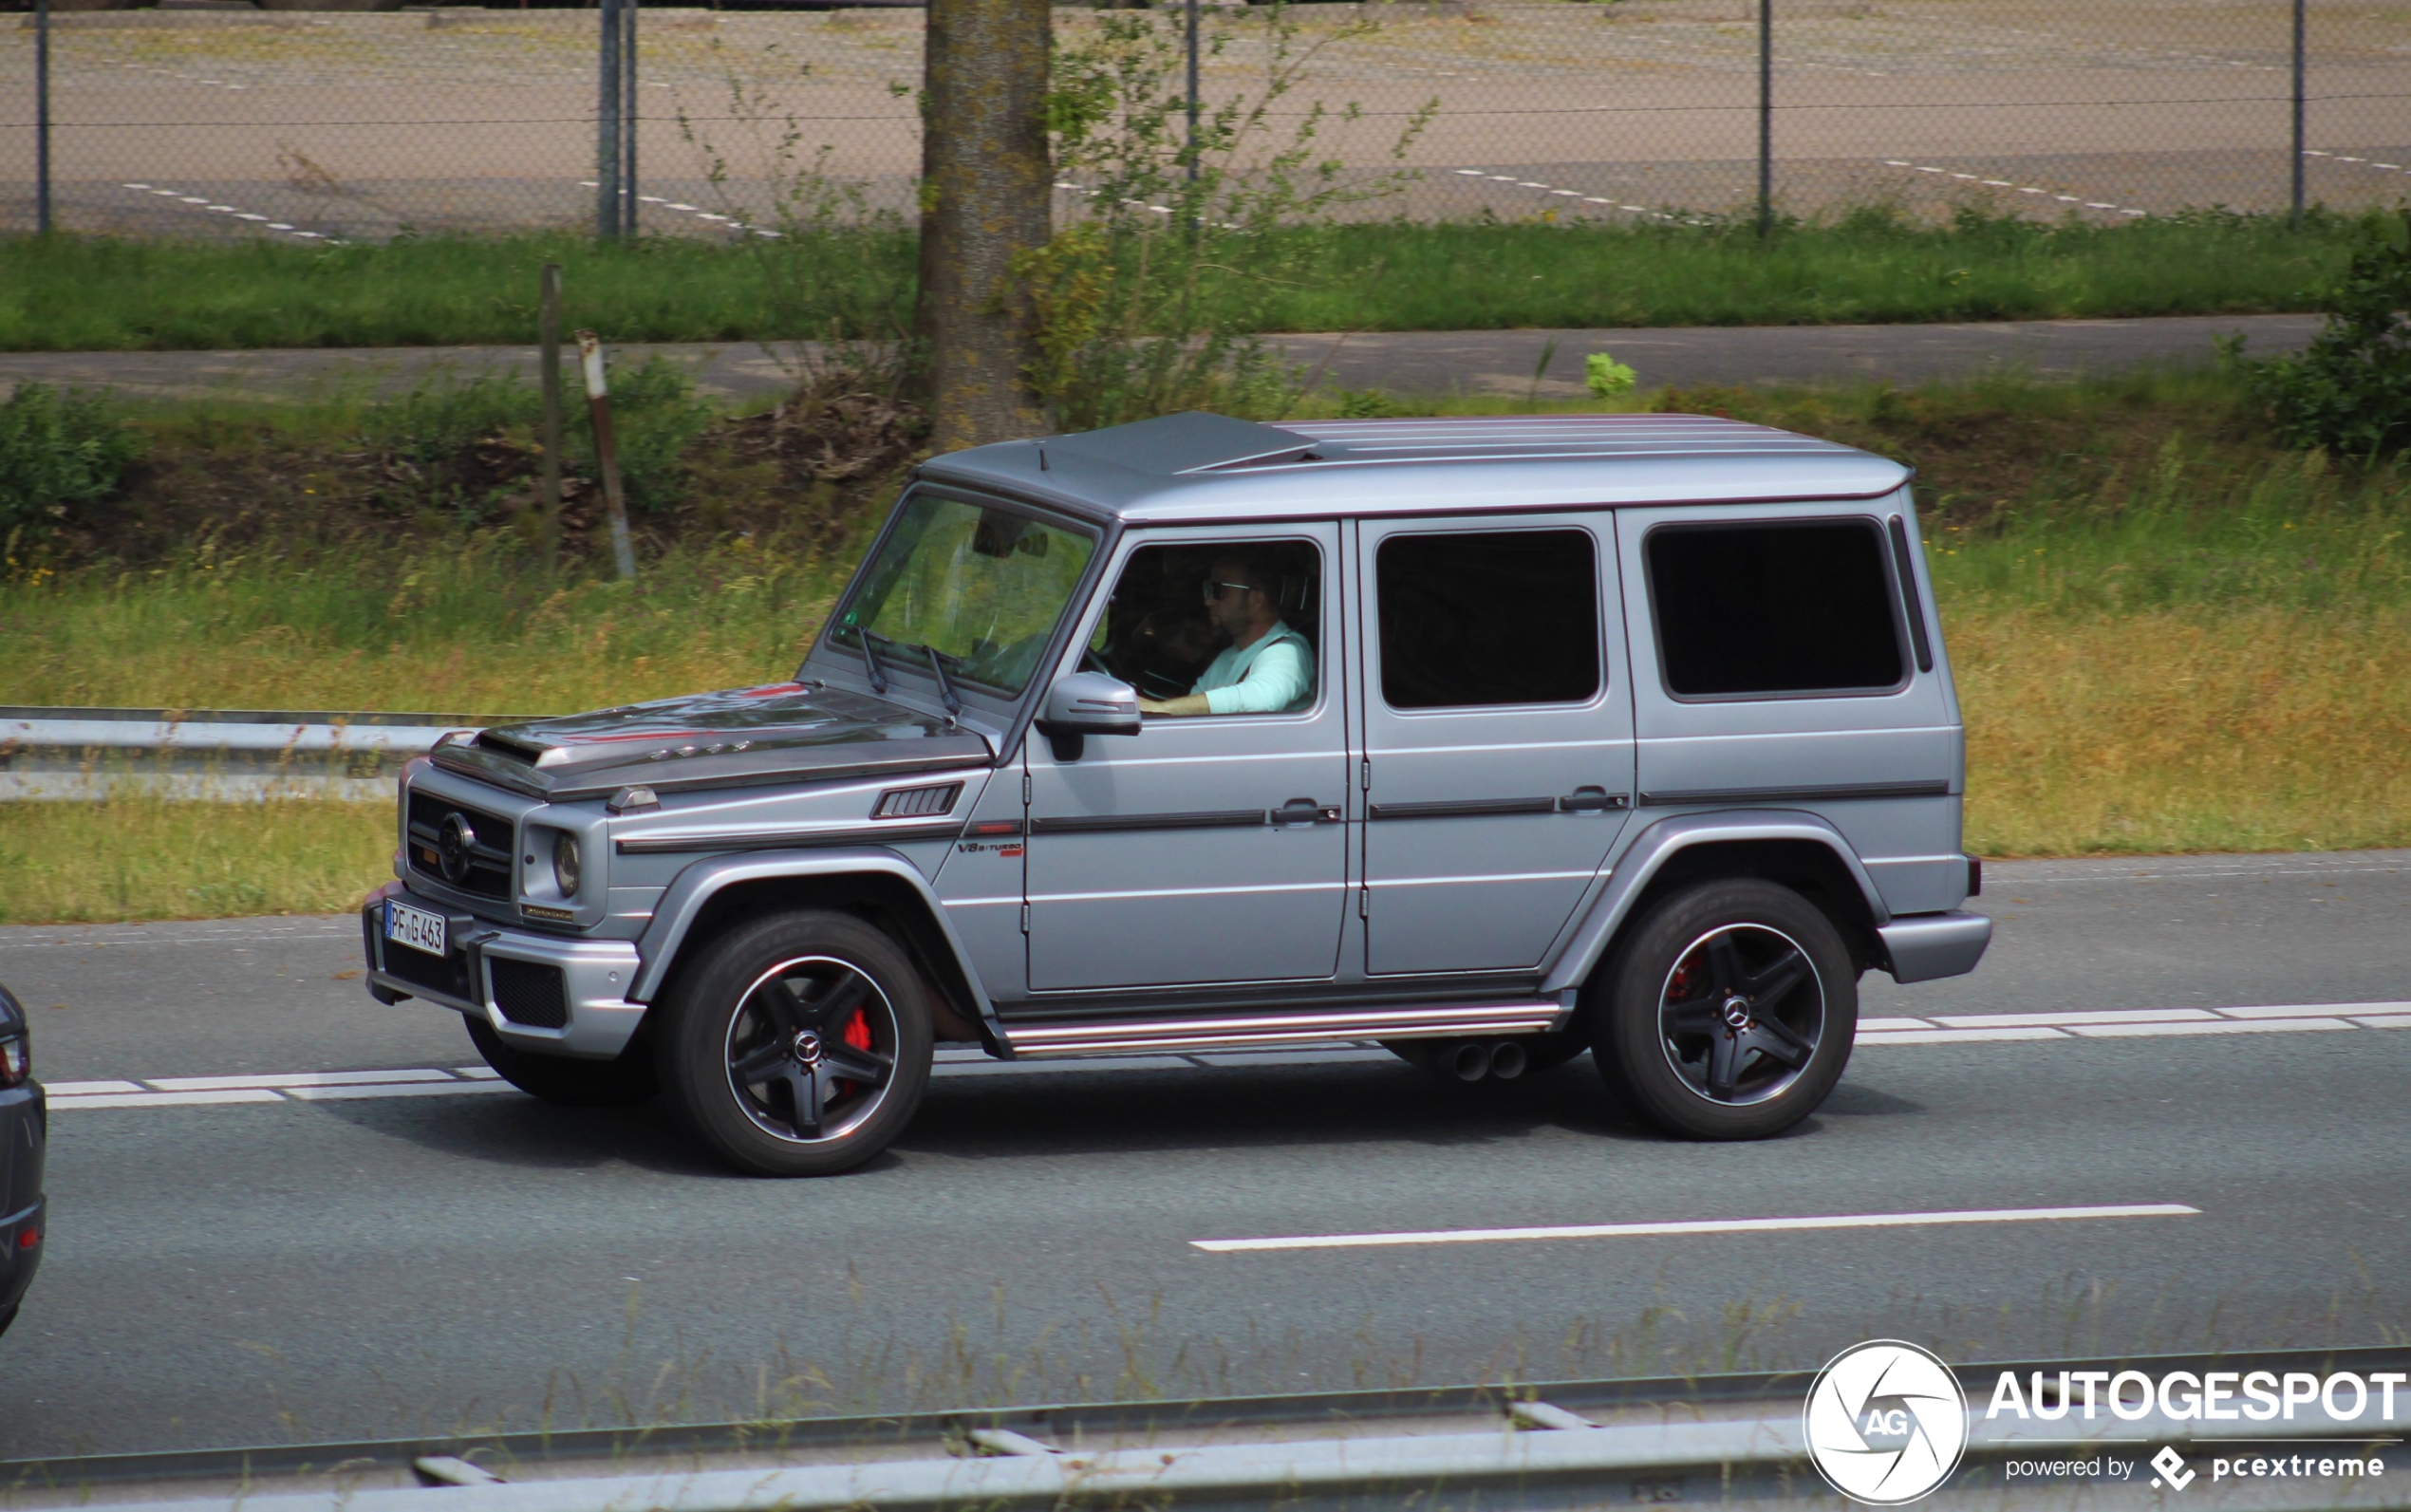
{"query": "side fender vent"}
[(917, 803)]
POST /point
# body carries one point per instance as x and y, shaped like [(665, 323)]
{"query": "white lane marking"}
[(229, 210), (1571, 194), (2255, 1026), (287, 1080), (2003, 183), (449, 1088), (235, 1094), (1710, 1226), (2109, 1015), (734, 223), (1955, 1028)]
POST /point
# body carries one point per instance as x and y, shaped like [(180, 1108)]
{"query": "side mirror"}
[(1085, 703)]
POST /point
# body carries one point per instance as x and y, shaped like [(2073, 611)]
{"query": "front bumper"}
[(591, 1018)]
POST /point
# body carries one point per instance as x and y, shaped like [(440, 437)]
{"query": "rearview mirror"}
[(1085, 703)]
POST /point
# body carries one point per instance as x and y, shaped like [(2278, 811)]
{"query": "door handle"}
[(1590, 800), (1305, 811)]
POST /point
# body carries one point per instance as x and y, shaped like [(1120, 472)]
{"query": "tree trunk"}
[(988, 193)]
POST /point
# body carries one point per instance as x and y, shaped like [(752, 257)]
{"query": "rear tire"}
[(621, 1082), (799, 1045), (1729, 1011)]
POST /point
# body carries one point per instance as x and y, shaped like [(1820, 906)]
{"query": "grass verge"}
[(71, 294), (2169, 635)]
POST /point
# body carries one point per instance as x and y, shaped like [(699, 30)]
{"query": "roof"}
[(1197, 466)]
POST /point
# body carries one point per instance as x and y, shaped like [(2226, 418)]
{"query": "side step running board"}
[(1228, 1032)]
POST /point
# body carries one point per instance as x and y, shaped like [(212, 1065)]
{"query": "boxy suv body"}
[(1492, 741)]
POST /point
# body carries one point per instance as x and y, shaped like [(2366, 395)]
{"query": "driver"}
[(1268, 667)]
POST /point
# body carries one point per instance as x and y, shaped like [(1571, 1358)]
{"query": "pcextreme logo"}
[(1886, 1422)]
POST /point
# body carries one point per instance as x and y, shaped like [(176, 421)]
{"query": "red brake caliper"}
[(857, 1035)]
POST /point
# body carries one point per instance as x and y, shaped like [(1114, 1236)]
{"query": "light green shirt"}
[(1274, 674)]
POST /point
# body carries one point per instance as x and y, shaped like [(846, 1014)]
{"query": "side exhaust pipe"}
[(1507, 1061), (1467, 1060)]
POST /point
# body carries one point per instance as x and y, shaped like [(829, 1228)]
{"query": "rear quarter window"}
[(1775, 609)]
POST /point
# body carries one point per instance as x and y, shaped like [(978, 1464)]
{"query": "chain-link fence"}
[(317, 123)]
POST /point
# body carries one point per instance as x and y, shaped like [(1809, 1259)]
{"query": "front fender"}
[(1661, 842), (687, 898)]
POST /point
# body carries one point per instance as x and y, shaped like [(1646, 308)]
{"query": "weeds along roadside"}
[(852, 278), (2169, 634)]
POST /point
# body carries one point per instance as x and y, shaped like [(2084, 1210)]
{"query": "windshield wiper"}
[(871, 662), (945, 685)]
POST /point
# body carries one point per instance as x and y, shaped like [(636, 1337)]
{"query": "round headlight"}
[(564, 862)]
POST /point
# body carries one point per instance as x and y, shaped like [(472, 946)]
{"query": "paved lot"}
[(310, 126), (381, 1263), (1418, 362)]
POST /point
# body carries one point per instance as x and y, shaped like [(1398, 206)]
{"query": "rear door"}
[(1496, 761)]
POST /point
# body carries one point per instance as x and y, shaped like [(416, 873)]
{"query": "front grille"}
[(445, 974), (481, 854), (528, 994)]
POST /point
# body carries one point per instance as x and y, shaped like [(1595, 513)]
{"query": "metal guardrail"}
[(213, 755), (1730, 1439)]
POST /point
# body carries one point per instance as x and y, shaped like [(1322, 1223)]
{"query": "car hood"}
[(780, 733)]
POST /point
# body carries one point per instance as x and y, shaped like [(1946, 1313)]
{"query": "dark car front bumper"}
[(24, 1135)]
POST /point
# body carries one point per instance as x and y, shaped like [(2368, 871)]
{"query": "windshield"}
[(982, 586)]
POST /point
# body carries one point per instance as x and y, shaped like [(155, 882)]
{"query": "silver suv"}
[(1490, 741)]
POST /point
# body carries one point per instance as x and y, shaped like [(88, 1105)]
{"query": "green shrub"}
[(2350, 392), (655, 416), (58, 450)]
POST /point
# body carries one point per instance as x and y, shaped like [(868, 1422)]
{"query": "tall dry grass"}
[(146, 858)]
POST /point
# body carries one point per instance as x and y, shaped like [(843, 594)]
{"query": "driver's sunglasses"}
[(1214, 590)]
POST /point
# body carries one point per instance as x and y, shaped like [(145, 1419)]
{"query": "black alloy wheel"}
[(799, 1045), (620, 1082), (1730, 1011)]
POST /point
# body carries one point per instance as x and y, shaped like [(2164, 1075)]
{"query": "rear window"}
[(1786, 608), (1488, 617)]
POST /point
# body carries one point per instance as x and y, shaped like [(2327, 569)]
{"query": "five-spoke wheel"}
[(799, 1045), (1729, 1011)]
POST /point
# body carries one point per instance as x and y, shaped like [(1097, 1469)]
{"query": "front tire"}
[(621, 1082), (1729, 1011), (799, 1044)]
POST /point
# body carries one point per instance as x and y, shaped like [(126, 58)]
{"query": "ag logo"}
[(1886, 1422)]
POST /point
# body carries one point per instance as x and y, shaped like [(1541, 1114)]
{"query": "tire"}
[(8, 1315), (756, 1041), (621, 1082), (1729, 1011)]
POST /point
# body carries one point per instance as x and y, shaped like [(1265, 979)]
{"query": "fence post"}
[(627, 115), (1765, 118), (548, 336), (42, 116), (607, 126), (1192, 91), (2300, 142), (606, 450)]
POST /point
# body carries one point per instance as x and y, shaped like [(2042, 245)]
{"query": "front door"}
[(1210, 848), (1498, 755)]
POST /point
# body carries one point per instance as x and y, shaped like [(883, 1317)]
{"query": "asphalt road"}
[(269, 1271), (1517, 363)]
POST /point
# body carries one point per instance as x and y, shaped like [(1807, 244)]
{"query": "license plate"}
[(415, 927)]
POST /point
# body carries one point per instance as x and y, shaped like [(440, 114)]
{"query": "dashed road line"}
[(736, 223), (1556, 192), (1941, 1029), (1822, 1223), (2023, 188), (2366, 162), (203, 202)]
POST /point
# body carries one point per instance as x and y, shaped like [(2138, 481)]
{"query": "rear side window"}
[(1783, 608), (1488, 617)]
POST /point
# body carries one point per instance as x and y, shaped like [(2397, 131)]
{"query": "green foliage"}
[(2350, 392), (443, 415), (1148, 303), (1605, 377), (58, 450)]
